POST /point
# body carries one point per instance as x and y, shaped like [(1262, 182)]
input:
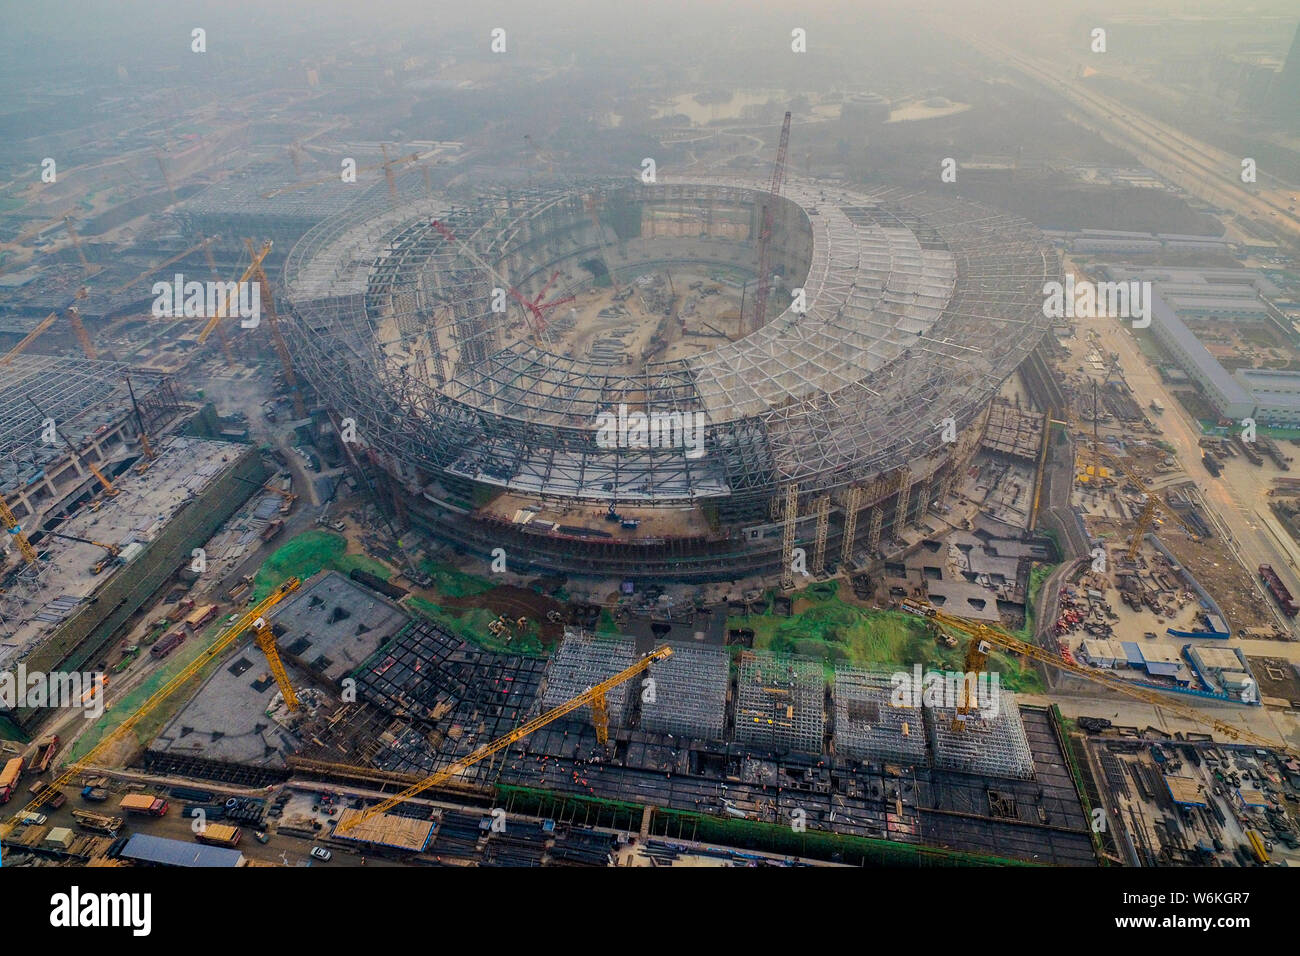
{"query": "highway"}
[(1202, 170)]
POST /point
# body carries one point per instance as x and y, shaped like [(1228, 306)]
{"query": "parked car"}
[(261, 837), (322, 854)]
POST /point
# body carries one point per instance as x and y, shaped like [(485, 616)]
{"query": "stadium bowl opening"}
[(582, 377)]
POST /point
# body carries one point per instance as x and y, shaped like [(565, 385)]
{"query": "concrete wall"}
[(84, 639)]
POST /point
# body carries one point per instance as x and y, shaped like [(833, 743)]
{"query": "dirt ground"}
[(514, 602), (1276, 676)]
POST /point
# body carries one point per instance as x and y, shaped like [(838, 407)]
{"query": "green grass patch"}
[(826, 628), (1037, 575), (150, 726), (472, 625), (452, 582), (305, 554)]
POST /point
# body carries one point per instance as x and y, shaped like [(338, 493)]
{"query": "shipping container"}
[(220, 834), (143, 803)]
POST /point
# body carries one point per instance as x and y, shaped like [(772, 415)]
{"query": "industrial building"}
[(149, 850), (91, 404), (1269, 396), (62, 613)]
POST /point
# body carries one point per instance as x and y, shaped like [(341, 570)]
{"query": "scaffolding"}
[(584, 660), (904, 495), (790, 520), (995, 745), (822, 509), (779, 702), (851, 508), (869, 725), (690, 693)]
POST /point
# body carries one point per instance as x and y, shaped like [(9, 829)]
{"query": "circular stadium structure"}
[(580, 375)]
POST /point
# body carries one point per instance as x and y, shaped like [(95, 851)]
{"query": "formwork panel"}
[(779, 702), (690, 693), (868, 725)]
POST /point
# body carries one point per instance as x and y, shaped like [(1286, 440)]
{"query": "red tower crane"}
[(765, 237), (536, 308)]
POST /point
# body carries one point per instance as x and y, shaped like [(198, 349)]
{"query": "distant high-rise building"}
[(1286, 95)]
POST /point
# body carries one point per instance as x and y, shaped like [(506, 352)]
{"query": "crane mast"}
[(765, 237)]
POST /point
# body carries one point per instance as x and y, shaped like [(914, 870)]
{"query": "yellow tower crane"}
[(595, 696), (1096, 472), (1148, 510), (223, 306), (107, 485), (265, 638), (273, 320), (14, 528), (74, 319), (28, 339), (983, 637), (221, 329), (191, 671)]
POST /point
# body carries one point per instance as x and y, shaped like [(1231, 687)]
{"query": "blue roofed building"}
[(160, 851)]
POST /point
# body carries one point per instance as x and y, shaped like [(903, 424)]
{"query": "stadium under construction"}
[(436, 335)]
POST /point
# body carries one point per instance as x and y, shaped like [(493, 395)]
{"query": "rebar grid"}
[(868, 725), (689, 696), (779, 702), (582, 661)]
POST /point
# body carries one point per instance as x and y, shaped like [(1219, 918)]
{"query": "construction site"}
[(734, 515), (755, 434)]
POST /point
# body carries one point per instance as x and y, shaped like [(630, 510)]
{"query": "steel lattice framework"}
[(917, 309)]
